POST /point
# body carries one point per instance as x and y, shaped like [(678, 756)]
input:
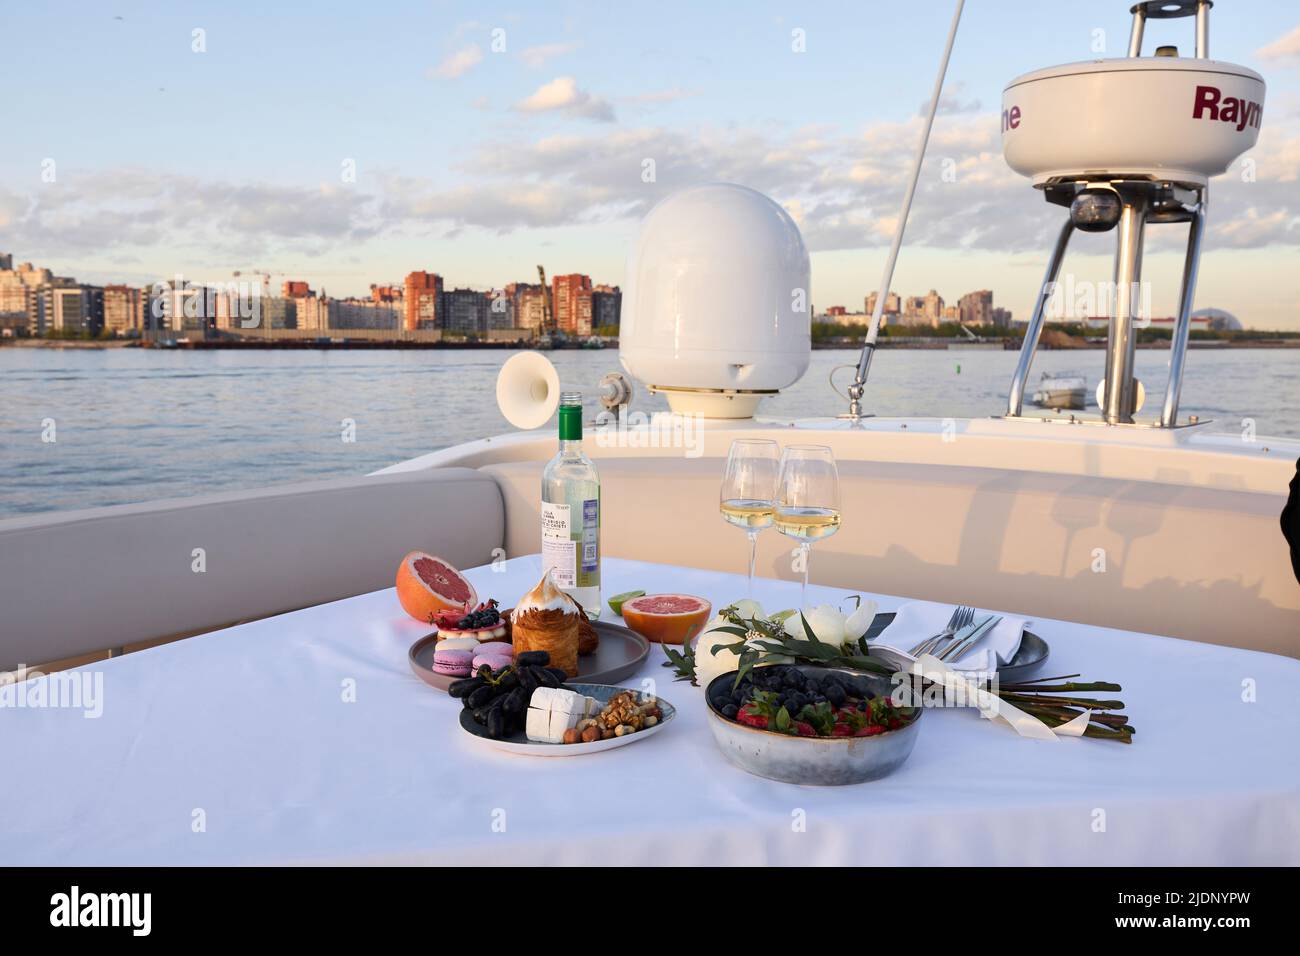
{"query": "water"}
[(135, 424)]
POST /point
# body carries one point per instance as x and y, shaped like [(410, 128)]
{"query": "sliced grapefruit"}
[(427, 585), (667, 618)]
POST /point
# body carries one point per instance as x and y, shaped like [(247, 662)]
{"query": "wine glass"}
[(749, 490), (807, 500)]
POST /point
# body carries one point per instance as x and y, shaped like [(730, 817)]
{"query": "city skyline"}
[(32, 300), (487, 140)]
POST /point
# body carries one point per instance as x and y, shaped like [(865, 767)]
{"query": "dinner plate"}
[(1029, 656), (518, 743), (619, 656)]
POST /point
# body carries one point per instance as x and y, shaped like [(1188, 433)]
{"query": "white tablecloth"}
[(239, 747)]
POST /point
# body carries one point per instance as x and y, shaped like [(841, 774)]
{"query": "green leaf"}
[(807, 629), (728, 629), (783, 720)]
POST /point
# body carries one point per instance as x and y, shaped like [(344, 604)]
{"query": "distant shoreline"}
[(1012, 345)]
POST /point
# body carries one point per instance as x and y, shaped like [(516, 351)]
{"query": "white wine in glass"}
[(747, 499), (807, 500)]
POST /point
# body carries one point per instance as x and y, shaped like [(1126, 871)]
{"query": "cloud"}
[(459, 63), (536, 56), (663, 96), (1285, 47), (128, 208), (563, 95), (844, 185), (950, 102)]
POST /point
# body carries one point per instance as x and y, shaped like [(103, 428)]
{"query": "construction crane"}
[(266, 278), (547, 313)]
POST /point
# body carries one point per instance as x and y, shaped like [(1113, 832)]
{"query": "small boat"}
[(1063, 391)]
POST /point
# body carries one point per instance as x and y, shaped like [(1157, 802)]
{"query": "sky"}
[(347, 144)]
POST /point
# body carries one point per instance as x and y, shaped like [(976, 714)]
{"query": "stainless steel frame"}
[(1142, 201)]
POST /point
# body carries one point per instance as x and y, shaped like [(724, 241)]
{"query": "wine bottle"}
[(571, 513)]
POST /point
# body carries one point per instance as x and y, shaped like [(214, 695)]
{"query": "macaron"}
[(458, 644), (452, 661), (493, 658)]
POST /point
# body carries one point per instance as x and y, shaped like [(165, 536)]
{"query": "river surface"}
[(81, 427)]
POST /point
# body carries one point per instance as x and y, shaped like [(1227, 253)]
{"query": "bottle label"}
[(559, 550), (590, 541)]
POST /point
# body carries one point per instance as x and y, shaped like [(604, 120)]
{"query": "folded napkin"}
[(918, 620)]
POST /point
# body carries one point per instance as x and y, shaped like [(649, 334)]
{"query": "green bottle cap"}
[(571, 416)]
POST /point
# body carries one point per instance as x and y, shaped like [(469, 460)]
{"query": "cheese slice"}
[(553, 710)]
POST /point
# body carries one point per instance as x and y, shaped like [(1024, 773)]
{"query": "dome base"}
[(712, 402)]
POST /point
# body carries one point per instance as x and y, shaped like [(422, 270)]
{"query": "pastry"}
[(547, 619), (588, 639), (483, 623), (452, 662)]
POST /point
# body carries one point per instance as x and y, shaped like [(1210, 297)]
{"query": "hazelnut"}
[(572, 736), (606, 734), (590, 733)]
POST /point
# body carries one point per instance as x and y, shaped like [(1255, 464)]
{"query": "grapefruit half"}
[(427, 585), (667, 618)]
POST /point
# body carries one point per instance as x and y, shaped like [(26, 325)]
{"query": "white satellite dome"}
[(1220, 320), (716, 306)]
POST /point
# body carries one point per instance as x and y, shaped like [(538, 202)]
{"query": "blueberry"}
[(730, 711), (835, 694)]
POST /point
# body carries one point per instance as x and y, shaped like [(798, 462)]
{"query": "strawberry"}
[(841, 730), (804, 729), (749, 716)]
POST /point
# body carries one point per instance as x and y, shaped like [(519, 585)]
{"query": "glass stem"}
[(753, 554), (803, 591)]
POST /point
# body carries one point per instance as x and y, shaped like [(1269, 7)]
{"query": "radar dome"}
[(716, 307), (1220, 321)]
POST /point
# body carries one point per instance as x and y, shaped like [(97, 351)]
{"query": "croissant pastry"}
[(588, 639), (547, 619)]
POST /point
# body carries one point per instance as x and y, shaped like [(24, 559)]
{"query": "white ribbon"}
[(1026, 725)]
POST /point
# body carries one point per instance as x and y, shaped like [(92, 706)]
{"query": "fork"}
[(961, 616), (957, 649)]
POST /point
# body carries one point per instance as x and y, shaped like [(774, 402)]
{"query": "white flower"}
[(857, 623), (826, 622), (831, 625), (709, 665)]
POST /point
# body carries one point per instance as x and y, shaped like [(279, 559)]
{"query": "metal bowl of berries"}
[(811, 725)]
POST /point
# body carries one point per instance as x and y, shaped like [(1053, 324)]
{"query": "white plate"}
[(518, 743)]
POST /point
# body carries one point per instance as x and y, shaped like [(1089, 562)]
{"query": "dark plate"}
[(1032, 653), (519, 743), (619, 656)]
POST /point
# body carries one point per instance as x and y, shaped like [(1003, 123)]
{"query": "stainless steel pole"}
[(1178, 345), (858, 387), (1017, 397), (1120, 388), (1135, 35)]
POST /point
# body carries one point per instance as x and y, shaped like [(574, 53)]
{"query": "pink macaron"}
[(493, 659), (453, 663)]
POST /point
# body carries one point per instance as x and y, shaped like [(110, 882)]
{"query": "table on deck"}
[(246, 746)]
